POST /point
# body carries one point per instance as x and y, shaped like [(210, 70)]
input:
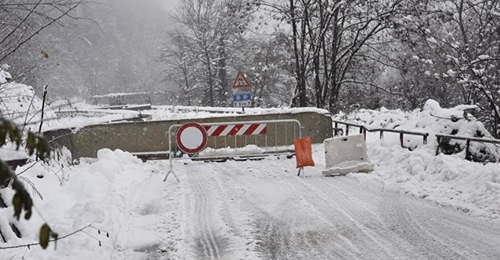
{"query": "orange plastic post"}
[(303, 152)]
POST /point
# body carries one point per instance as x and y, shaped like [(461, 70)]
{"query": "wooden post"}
[(401, 139), (425, 139), (346, 129), (381, 134)]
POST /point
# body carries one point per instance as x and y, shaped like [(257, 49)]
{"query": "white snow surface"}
[(414, 205)]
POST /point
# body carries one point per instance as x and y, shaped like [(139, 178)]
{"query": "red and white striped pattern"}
[(230, 130)]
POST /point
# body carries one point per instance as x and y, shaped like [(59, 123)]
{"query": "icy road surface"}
[(262, 210)]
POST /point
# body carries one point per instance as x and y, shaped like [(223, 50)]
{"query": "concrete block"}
[(346, 154)]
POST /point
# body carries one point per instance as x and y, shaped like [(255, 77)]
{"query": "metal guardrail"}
[(363, 129), (277, 140), (440, 137), (468, 140)]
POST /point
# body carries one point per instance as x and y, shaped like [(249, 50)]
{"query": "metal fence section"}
[(441, 138), (468, 155), (362, 130), (244, 139)]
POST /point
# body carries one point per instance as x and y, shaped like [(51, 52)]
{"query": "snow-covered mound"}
[(448, 180), (432, 119)]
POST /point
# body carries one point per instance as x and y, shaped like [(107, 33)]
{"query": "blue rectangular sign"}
[(242, 97)]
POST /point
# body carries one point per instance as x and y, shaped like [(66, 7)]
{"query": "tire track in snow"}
[(352, 218), (454, 239), (356, 224), (202, 210), (400, 221), (412, 227), (281, 234)]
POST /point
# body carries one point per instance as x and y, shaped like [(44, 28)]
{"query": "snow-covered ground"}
[(262, 210), (414, 205)]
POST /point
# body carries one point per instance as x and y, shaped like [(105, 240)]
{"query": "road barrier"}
[(232, 140), (346, 154), (148, 139)]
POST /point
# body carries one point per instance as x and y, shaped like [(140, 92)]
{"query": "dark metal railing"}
[(440, 137), (363, 130), (468, 140)]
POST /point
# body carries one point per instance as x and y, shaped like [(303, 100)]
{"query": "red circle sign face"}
[(191, 138)]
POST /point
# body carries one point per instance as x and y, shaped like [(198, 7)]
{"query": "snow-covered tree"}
[(22, 23), (458, 43), (182, 66), (214, 30), (330, 40)]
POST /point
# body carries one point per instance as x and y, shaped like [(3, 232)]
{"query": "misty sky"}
[(170, 5), (115, 50)]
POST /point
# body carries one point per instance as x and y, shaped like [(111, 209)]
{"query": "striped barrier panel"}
[(237, 129), (226, 140)]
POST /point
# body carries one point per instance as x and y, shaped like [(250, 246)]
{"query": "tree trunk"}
[(210, 79), (225, 89), (187, 87), (300, 98)]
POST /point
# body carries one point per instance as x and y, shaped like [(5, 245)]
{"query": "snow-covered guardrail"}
[(363, 130), (441, 138), (468, 140)]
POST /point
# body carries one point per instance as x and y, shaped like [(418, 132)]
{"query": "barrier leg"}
[(171, 168), (168, 173)]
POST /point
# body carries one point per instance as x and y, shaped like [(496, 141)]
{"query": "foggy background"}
[(108, 46)]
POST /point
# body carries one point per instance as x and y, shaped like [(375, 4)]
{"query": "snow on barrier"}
[(236, 140), (346, 154)]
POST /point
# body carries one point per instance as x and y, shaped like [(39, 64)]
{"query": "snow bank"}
[(448, 180), (114, 194), (431, 119)]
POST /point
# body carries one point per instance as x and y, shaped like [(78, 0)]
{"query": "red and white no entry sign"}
[(191, 138)]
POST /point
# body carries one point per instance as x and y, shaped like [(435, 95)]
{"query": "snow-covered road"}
[(262, 210)]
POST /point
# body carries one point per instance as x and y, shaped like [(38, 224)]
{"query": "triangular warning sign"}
[(240, 81)]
